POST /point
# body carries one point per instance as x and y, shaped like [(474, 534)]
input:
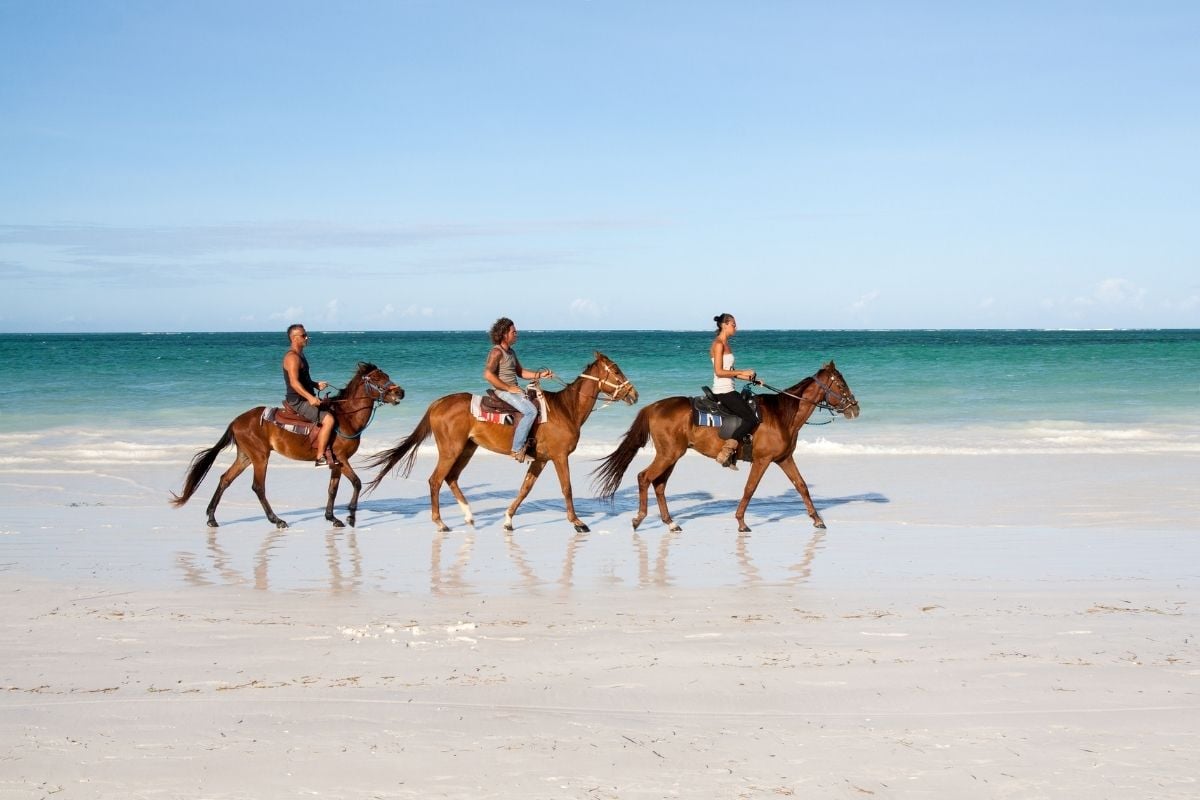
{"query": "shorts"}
[(308, 410)]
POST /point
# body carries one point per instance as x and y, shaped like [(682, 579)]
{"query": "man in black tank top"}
[(300, 392)]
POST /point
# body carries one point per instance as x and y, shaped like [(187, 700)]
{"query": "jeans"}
[(529, 411)]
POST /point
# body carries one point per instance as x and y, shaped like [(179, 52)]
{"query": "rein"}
[(824, 403), (614, 388)]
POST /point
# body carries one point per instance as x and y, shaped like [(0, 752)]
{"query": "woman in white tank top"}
[(723, 375)]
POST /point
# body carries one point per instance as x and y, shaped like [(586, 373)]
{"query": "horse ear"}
[(599, 355)]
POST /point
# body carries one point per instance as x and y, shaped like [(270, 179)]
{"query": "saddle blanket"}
[(285, 419), (484, 408), (498, 417)]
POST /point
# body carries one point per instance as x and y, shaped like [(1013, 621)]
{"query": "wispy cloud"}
[(587, 308), (1113, 292), (110, 241), (864, 301)]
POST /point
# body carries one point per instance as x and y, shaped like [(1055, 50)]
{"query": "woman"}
[(723, 375)]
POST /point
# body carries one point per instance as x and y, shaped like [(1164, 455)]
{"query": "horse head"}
[(613, 383), (376, 384), (838, 397)]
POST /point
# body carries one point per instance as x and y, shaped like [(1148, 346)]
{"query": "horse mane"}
[(554, 400), (785, 405), (364, 368)]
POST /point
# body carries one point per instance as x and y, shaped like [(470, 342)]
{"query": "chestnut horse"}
[(669, 423), (353, 409), (458, 434)]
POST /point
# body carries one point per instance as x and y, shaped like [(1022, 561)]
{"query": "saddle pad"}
[(478, 412), (490, 408), (288, 420)]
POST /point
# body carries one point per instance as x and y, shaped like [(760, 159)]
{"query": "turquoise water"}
[(920, 391)]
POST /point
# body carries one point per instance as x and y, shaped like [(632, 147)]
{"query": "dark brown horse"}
[(669, 423), (353, 408), (458, 434)]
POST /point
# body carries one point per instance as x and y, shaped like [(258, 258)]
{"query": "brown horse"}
[(669, 423), (353, 409), (458, 434)]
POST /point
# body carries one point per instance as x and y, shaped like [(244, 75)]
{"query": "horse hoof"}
[(581, 528), (636, 522), (212, 523), (443, 527), (743, 528), (674, 528), (508, 528), (280, 524), (819, 524), (351, 520), (335, 522)]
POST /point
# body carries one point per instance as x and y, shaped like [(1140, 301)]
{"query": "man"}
[(502, 370), (300, 393)]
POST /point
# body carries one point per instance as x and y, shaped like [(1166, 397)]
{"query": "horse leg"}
[(535, 469), (788, 465), (335, 479), (452, 481), (757, 468), (356, 482), (260, 489), (239, 464), (445, 464), (563, 468), (660, 494), (660, 466)]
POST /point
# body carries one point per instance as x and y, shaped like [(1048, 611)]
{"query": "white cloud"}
[(864, 301), (291, 313), (330, 317), (1114, 292), (588, 308)]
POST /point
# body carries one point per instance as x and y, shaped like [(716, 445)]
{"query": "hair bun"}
[(717, 318)]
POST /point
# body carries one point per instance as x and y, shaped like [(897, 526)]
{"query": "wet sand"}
[(983, 626)]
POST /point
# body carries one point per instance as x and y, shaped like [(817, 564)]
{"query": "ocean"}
[(158, 397)]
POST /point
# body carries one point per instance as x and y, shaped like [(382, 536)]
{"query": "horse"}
[(669, 423), (353, 409), (458, 434)]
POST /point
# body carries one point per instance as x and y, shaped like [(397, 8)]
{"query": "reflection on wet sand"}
[(221, 570), (451, 580), (801, 571), (344, 560), (339, 562)]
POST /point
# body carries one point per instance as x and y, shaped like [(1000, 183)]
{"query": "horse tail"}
[(407, 446), (201, 463), (607, 477)]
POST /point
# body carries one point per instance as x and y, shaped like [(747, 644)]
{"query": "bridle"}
[(844, 400), (375, 392), (838, 406), (614, 388)]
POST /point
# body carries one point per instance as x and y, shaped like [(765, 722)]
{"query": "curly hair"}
[(500, 329)]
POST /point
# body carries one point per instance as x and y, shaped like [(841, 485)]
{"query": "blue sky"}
[(169, 165)]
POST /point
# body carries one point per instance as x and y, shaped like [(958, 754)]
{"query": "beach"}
[(982, 625)]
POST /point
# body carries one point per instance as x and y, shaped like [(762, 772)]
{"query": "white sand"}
[(983, 626)]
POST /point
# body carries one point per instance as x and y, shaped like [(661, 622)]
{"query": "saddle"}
[(707, 412), (490, 407), (290, 421)]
